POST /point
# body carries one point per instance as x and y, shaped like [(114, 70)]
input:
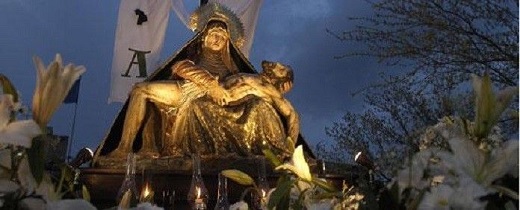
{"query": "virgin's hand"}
[(219, 95)]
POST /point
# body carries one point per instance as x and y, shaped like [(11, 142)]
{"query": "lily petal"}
[(468, 157), (20, 133), (502, 161), (53, 85), (75, 204), (5, 113), (298, 165)]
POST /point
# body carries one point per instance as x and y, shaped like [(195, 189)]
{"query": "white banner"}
[(139, 39)]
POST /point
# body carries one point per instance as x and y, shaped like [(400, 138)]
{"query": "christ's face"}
[(216, 39), (281, 76)]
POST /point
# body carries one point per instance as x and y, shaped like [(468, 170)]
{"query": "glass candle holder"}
[(259, 197), (222, 197), (198, 194), (127, 195), (168, 199), (147, 191)]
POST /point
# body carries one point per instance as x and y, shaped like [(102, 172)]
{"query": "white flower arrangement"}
[(16, 133), (240, 205), (460, 161), (297, 188), (24, 184)]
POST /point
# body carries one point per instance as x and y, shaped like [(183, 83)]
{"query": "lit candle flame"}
[(146, 191), (198, 191)]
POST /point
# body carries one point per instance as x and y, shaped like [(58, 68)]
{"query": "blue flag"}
[(72, 97)]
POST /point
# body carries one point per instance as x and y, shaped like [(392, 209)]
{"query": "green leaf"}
[(67, 177), (85, 193), (324, 185), (36, 157), (328, 195), (272, 157), (280, 196), (485, 103), (283, 178), (238, 176), (8, 87), (284, 203)]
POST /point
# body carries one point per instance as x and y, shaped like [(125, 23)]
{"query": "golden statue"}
[(207, 99)]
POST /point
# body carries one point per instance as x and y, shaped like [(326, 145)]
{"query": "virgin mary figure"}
[(181, 110)]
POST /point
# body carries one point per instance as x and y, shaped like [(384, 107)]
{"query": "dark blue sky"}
[(292, 32)]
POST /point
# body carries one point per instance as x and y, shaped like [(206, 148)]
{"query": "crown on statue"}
[(215, 11)]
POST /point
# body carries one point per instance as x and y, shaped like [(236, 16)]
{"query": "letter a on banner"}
[(140, 32)]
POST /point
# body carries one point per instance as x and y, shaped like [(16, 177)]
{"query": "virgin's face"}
[(216, 39)]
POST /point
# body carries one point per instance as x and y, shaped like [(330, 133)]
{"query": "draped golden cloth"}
[(205, 127)]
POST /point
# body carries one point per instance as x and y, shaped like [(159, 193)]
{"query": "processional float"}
[(206, 109)]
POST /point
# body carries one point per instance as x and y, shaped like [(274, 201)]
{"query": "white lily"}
[(19, 133), (241, 205), (32, 203), (47, 189), (483, 167), (25, 176), (8, 186), (413, 175), (319, 204), (438, 198), (70, 204), (52, 86), (463, 196), (468, 194), (298, 165)]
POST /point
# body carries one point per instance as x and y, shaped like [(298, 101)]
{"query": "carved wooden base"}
[(104, 184), (209, 164)]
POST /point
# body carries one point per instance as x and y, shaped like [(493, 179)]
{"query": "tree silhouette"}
[(436, 46)]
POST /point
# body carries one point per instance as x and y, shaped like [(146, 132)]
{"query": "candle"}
[(199, 202), (147, 194), (263, 199), (146, 191)]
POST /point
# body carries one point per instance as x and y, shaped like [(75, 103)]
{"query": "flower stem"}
[(506, 191), (243, 195)]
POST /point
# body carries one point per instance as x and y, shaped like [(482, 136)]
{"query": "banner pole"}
[(69, 144)]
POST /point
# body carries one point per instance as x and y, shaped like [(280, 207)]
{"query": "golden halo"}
[(216, 11)]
